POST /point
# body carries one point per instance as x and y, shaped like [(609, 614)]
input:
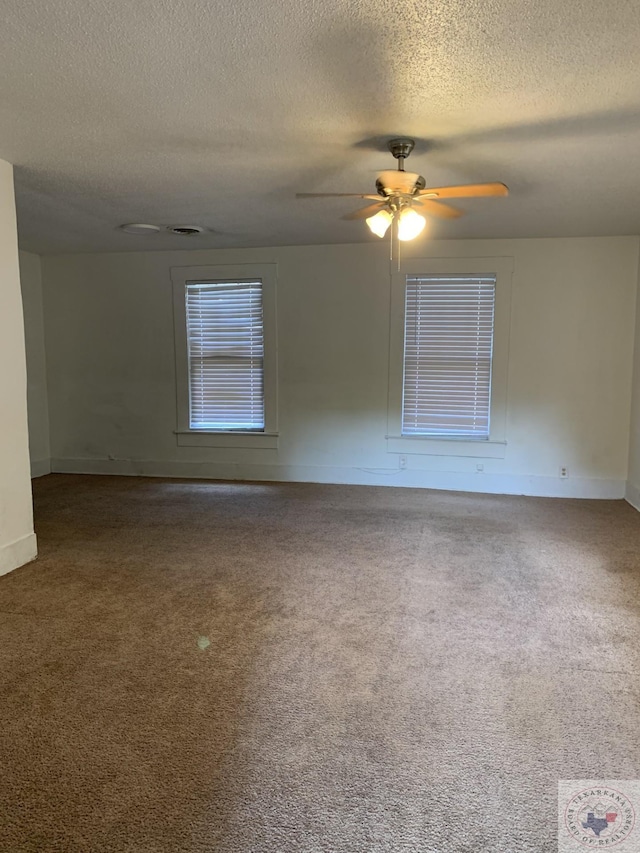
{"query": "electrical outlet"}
[(402, 462), (480, 467), (564, 472)]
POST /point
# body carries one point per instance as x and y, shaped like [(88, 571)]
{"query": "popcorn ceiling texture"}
[(389, 669), (217, 113)]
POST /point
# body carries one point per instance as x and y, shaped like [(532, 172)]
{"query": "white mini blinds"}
[(448, 344), (225, 336)]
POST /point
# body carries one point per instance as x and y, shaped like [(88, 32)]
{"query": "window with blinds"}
[(448, 344), (225, 337)]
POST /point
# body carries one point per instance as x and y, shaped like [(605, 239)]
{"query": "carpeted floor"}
[(386, 669)]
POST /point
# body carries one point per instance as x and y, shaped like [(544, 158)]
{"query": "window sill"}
[(242, 440), (446, 446)]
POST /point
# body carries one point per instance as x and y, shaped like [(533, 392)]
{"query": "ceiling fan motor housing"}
[(392, 182)]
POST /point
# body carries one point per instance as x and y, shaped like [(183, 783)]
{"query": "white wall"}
[(633, 482), (37, 402), (111, 373), (17, 540)]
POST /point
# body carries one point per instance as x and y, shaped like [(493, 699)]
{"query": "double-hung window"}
[(225, 340), (448, 344), (225, 355), (449, 352)]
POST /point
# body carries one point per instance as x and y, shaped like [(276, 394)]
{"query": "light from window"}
[(448, 345), (225, 334)]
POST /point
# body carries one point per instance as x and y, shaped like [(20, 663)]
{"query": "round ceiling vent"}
[(185, 230), (139, 228)]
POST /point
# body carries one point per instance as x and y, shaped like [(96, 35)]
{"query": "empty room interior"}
[(320, 426)]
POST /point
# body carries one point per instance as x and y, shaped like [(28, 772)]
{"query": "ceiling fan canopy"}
[(402, 197)]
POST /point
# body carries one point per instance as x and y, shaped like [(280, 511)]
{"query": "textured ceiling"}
[(217, 113)]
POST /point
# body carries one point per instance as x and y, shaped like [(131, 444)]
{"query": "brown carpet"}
[(387, 669)]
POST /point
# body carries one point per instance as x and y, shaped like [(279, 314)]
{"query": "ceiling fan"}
[(402, 197)]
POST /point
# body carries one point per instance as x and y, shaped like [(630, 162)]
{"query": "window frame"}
[(220, 274), (495, 445)]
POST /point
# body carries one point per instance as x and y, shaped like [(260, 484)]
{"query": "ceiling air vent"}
[(185, 230)]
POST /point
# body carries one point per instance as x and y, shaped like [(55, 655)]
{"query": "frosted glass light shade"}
[(410, 224), (380, 222)]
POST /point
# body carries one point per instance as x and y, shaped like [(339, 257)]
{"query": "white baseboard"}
[(632, 495), (40, 467), (17, 553), (504, 484)]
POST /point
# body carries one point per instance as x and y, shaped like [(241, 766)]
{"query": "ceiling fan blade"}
[(465, 191), (435, 208), (335, 195), (366, 212)]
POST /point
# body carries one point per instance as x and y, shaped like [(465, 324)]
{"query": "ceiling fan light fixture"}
[(410, 224), (379, 223)]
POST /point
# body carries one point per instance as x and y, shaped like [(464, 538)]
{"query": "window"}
[(226, 355), (449, 342), (225, 337)]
